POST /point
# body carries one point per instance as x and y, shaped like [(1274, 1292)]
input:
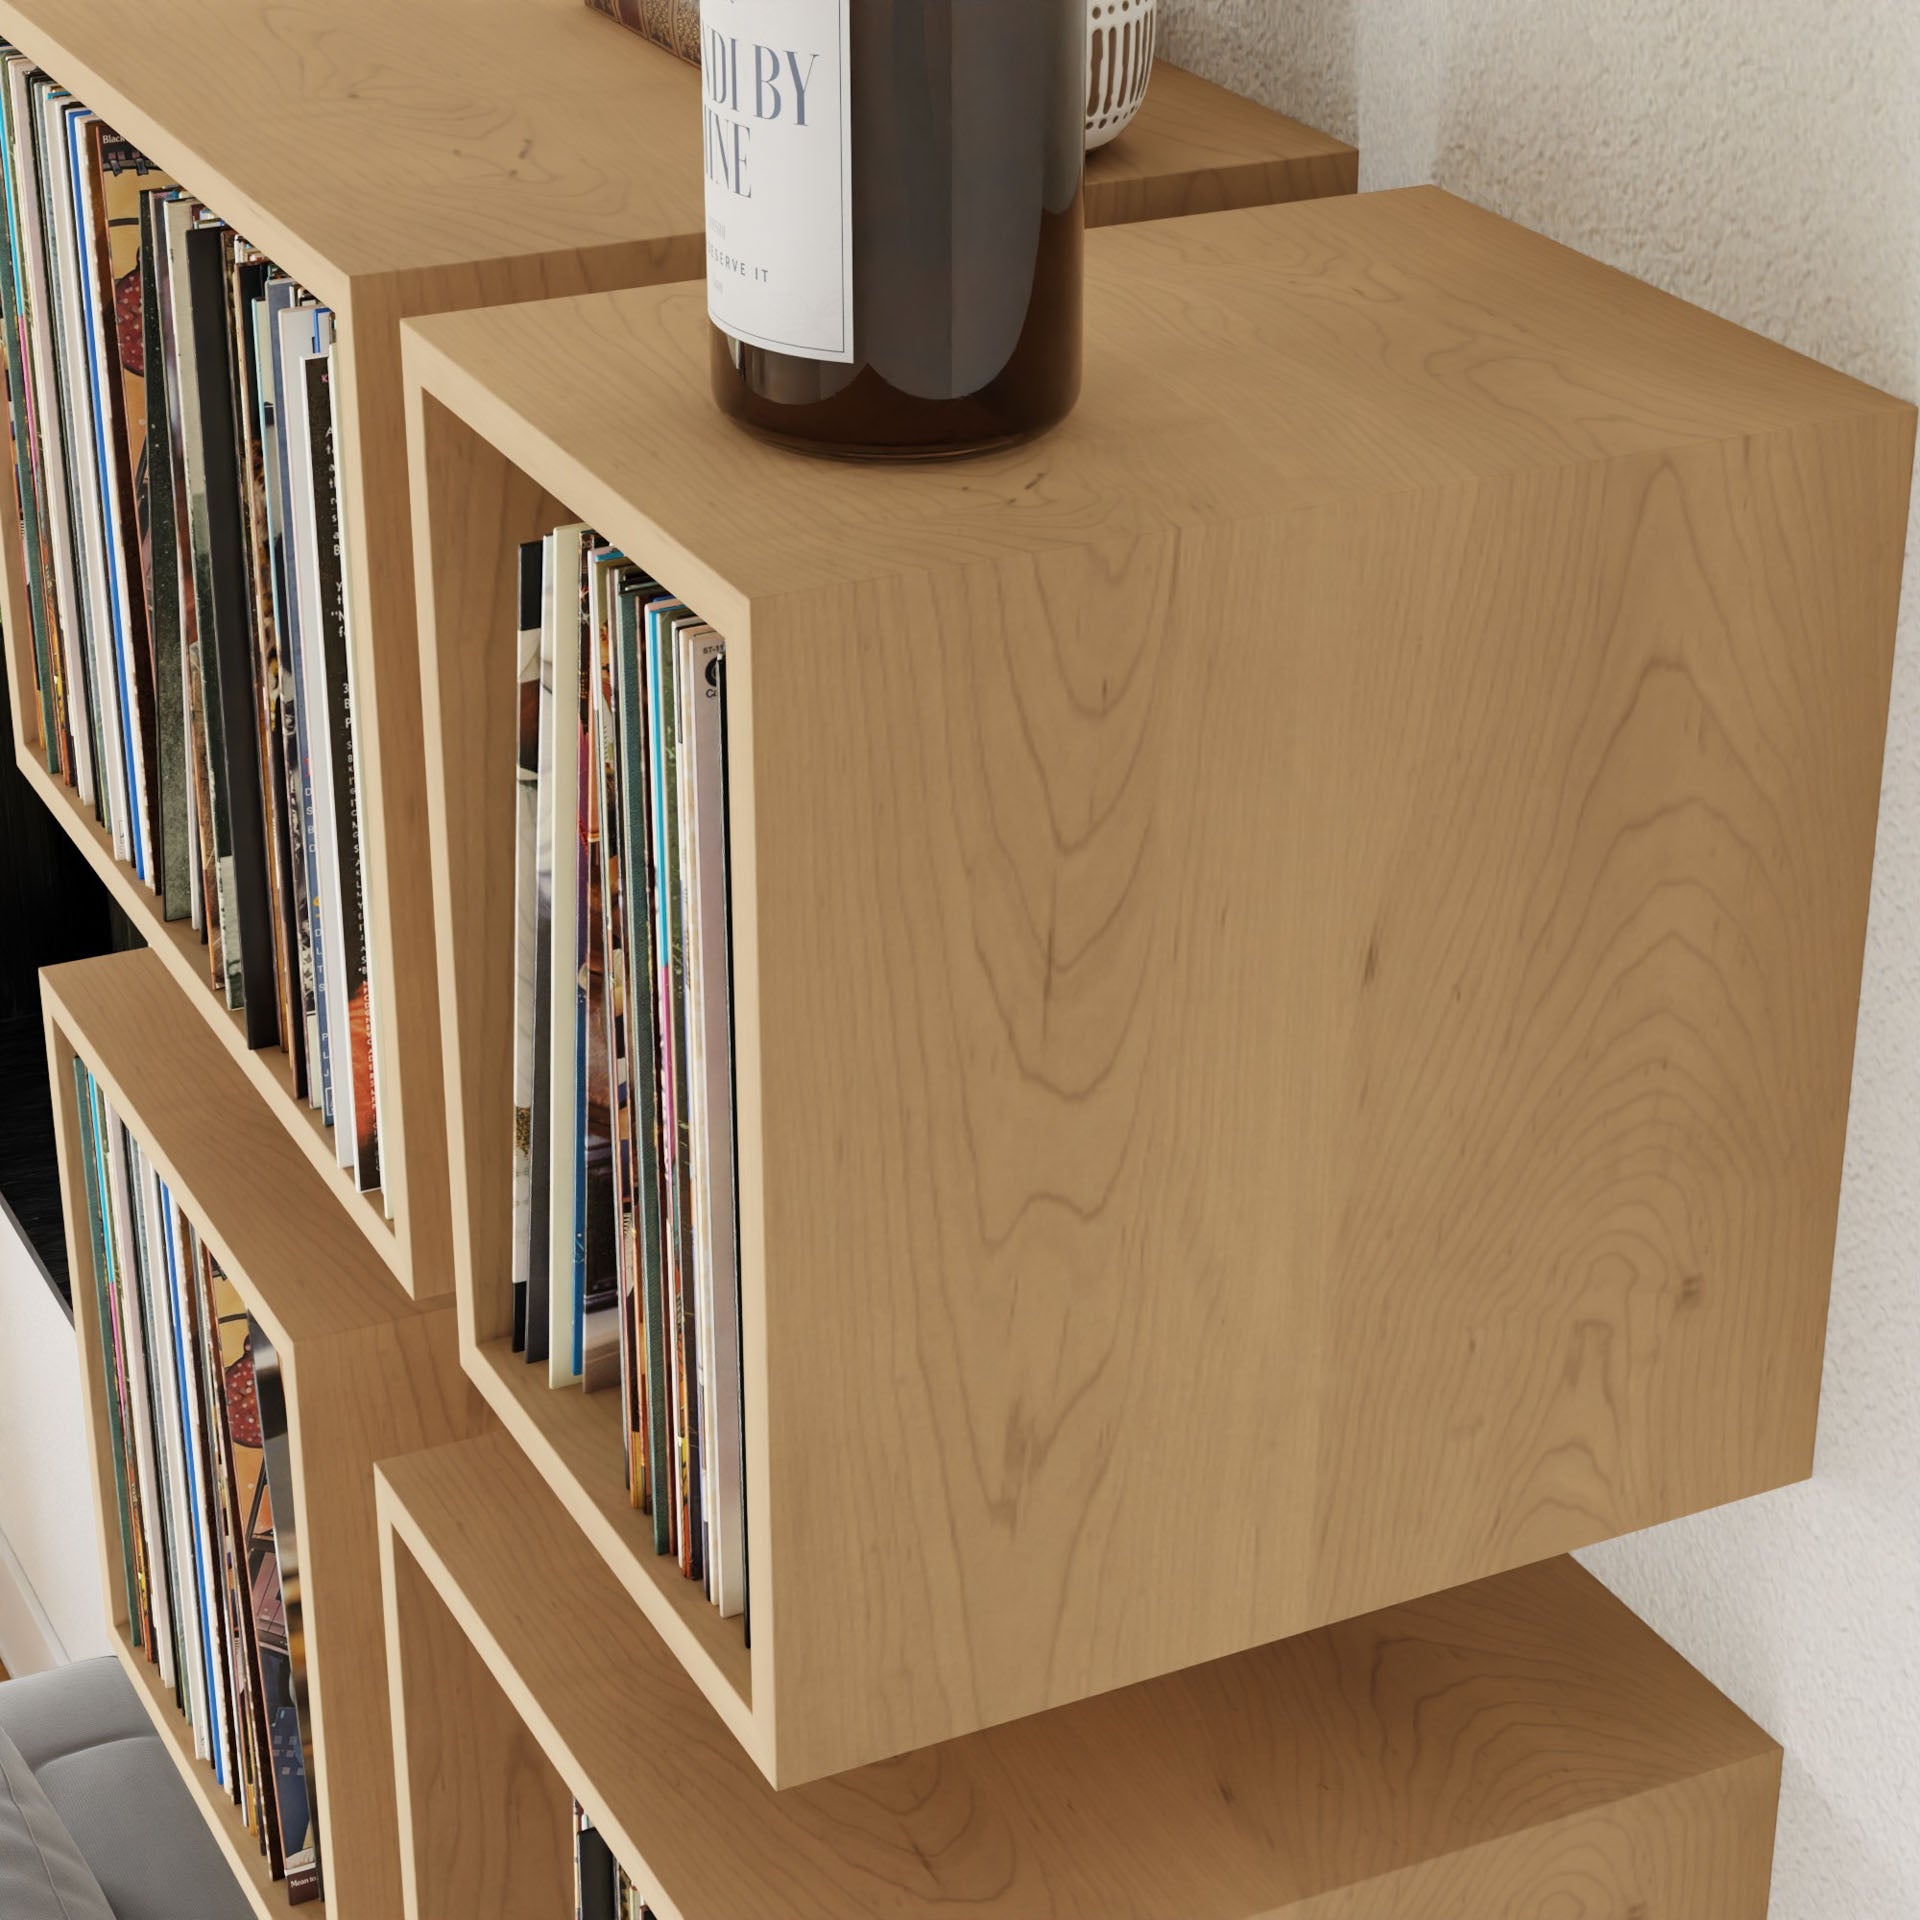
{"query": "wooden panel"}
[(1251, 361), (367, 1371), (1196, 148), (351, 138), (456, 154), (486, 1830), (1514, 1748), (1297, 942)]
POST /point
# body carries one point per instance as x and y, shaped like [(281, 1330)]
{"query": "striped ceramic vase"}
[(1120, 41)]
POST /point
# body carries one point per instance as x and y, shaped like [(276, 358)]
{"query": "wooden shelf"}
[(443, 155), (1196, 148), (1518, 1747), (367, 1373), (1297, 941)]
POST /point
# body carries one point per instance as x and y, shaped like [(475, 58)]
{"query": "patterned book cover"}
[(197, 303), (540, 1263), (20, 293), (288, 325), (119, 177), (107, 1318), (526, 931), (248, 272), (673, 24), (235, 1597), (676, 1127), (643, 1058), (336, 654), (66, 636), (280, 662), (598, 1331), (251, 1519), (274, 1555), (159, 560), (610, 572), (83, 399)]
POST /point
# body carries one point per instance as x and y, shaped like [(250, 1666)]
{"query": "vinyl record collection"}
[(626, 1269), (601, 1889), (197, 1432), (173, 419)]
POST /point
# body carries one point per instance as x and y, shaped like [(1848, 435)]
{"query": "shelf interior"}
[(1531, 1707), (179, 949), (304, 1268), (575, 1439)]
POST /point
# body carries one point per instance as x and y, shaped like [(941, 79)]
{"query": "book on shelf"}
[(171, 406), (625, 1260), (197, 1442), (672, 24), (602, 1888)]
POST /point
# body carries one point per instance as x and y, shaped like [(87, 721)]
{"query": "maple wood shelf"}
[(1296, 943), (366, 1372), (1518, 1747), (414, 159)]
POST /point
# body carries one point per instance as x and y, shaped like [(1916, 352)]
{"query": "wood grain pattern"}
[(1196, 148), (368, 1372), (1516, 1748), (454, 154), (1297, 942), (473, 1770)]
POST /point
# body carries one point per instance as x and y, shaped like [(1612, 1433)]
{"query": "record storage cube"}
[(1517, 1749), (413, 159), (1297, 944), (367, 1373)]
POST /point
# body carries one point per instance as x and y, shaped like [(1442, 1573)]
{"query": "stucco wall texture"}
[(1760, 157)]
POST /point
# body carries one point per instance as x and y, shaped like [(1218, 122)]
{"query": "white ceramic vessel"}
[(1120, 42)]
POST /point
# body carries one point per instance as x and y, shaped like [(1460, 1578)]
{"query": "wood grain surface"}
[(480, 1775), (1517, 1748), (367, 1373), (1196, 148), (1297, 941), (444, 155)]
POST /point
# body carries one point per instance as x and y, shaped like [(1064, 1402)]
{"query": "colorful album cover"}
[(644, 1062), (257, 1420), (597, 1327), (526, 1026)]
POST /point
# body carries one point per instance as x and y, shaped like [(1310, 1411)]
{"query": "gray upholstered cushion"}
[(119, 1795), (42, 1876)]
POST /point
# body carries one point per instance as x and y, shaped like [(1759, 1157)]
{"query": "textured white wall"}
[(1760, 157), (50, 1603)]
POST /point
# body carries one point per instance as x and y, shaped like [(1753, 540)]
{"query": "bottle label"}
[(778, 128)]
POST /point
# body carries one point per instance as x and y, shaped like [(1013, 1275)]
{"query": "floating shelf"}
[(1297, 944), (367, 1373), (415, 159), (1516, 1748)]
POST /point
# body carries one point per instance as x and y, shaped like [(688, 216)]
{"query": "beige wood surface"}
[(1513, 1749), (1196, 148), (474, 1771), (419, 158), (367, 1372), (1297, 942)]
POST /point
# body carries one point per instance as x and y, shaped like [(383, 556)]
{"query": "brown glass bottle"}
[(959, 222)]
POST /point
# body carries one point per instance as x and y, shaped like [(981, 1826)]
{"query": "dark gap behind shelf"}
[(53, 908)]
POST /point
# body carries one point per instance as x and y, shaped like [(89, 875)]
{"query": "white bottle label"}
[(778, 127)]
